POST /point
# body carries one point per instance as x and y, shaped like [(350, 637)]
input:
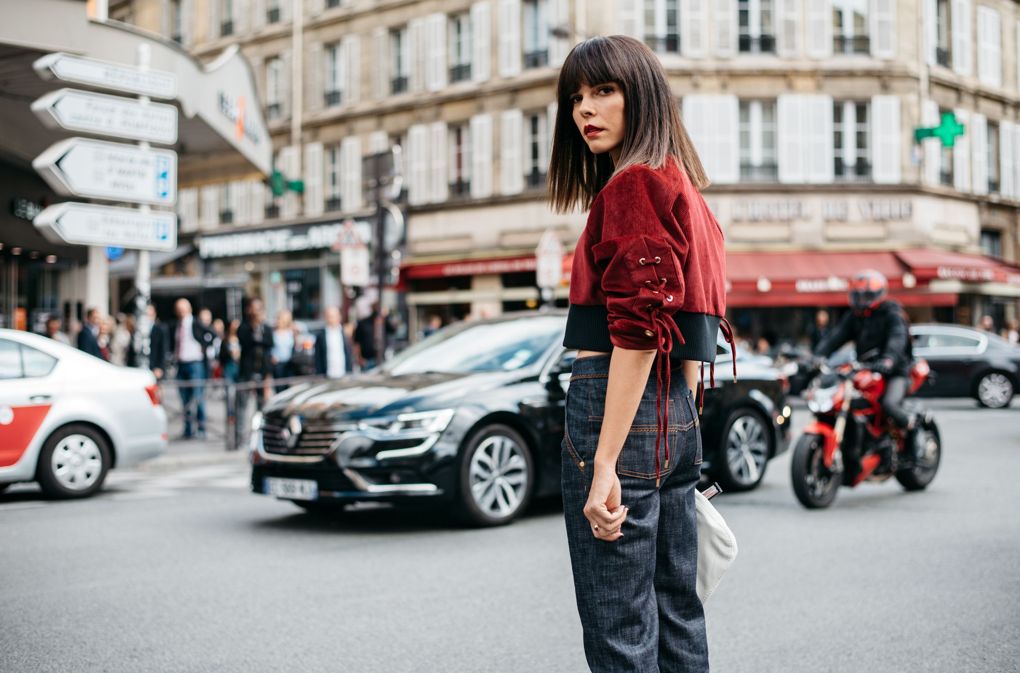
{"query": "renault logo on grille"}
[(291, 433)]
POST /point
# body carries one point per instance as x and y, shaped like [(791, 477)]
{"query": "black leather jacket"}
[(882, 332)]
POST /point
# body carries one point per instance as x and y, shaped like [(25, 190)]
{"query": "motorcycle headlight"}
[(821, 400), (418, 422)]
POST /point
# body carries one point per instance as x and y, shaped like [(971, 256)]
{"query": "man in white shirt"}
[(333, 356), (189, 339)]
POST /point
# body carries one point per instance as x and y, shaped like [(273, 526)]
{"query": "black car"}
[(967, 363), (473, 416)]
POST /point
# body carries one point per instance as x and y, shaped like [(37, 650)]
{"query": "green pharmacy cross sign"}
[(947, 131), (279, 184)]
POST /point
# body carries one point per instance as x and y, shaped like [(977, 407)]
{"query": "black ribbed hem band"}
[(588, 329)]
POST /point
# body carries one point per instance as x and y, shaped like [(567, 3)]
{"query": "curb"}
[(211, 454)]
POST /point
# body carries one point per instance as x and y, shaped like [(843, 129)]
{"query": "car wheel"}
[(496, 476), (73, 462), (744, 453), (994, 390)]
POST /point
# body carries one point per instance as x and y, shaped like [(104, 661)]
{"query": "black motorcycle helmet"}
[(867, 290)]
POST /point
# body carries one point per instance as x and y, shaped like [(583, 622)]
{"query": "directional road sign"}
[(107, 75), (111, 171), (87, 224), (105, 115)]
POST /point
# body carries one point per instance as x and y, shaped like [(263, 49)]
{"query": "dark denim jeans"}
[(637, 597), (192, 397)]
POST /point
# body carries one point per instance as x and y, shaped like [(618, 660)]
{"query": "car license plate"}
[(293, 489)]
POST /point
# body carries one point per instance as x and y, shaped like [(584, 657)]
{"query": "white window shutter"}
[(697, 114), (378, 141), (481, 37), (961, 25), (630, 17), (1006, 159), (316, 7), (240, 17), (436, 64), (883, 28), (416, 34), (724, 20), (481, 156), (313, 179), (257, 194), (381, 67), (1015, 129), (214, 21), (285, 13), (246, 215), (315, 70), (788, 24), (819, 28), (789, 138), (693, 28), (931, 39), (961, 154), (818, 149), (417, 163), (236, 204), (286, 91), (511, 164), (551, 111), (989, 46), (353, 193), (209, 213), (290, 157), (259, 11), (932, 146), (979, 153), (352, 69), (886, 140), (559, 17), (187, 209), (727, 143), (1016, 63), (187, 13), (440, 188), (509, 38)]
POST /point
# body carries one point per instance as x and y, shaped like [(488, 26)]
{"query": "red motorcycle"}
[(852, 440)]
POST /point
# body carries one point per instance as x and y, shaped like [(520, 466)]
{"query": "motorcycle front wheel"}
[(926, 462), (814, 484)]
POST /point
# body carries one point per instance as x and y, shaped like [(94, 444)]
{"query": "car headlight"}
[(256, 421), (418, 422)]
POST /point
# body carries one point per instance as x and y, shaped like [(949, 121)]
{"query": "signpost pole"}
[(143, 284)]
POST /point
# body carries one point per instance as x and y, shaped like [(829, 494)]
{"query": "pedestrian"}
[(284, 333), (230, 364), (88, 335), (368, 333), (333, 352), (435, 323), (820, 329), (255, 367), (121, 335), (154, 344), (987, 324), (1012, 334), (647, 291), (214, 350), (190, 339), (54, 332)]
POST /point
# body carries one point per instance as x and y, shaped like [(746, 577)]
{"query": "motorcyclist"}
[(879, 329)]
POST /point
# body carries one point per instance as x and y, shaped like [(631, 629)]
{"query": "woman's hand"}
[(604, 511)]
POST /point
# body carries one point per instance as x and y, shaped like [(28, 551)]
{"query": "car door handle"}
[(40, 398)]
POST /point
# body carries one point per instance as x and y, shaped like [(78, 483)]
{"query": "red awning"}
[(928, 265)]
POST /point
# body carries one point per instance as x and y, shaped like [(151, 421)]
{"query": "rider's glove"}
[(882, 365)]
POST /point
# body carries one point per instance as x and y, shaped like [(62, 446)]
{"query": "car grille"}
[(315, 439)]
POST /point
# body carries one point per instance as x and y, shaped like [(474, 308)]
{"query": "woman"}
[(230, 363), (647, 288), (283, 346)]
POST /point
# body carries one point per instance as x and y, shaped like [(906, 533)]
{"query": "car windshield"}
[(483, 347)]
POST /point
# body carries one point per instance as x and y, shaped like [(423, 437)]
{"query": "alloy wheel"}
[(747, 449), (995, 390), (498, 476)]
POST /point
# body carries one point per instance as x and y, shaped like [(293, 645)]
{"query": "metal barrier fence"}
[(227, 406)]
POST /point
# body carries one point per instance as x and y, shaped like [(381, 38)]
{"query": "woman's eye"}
[(605, 89), (575, 99)]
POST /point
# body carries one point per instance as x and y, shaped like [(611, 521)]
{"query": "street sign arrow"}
[(111, 171), (87, 224), (114, 116), (107, 75)]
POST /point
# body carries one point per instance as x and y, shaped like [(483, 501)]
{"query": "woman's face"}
[(598, 115)]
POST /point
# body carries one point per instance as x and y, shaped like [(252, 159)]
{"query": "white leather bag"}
[(717, 547)]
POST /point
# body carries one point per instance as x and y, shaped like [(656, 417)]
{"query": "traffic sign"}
[(354, 267), (107, 75), (549, 260), (110, 171), (87, 224), (105, 115)]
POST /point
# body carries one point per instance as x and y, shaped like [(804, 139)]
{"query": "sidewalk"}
[(212, 450)]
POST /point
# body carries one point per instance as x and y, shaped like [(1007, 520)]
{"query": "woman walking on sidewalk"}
[(647, 291)]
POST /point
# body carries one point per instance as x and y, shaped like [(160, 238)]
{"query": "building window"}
[(175, 22), (330, 4), (400, 58), (850, 136), (333, 191), (226, 18), (460, 160), (993, 157), (274, 88), (662, 20), (333, 93), (758, 161), (991, 242), (226, 199), (536, 148), (460, 47), (272, 204), (536, 33), (850, 27), (272, 11), (942, 32), (757, 35), (946, 167)]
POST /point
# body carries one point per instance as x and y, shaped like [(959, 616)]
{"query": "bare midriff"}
[(690, 368), (589, 354)]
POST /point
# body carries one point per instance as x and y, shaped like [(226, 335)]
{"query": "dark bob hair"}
[(576, 175)]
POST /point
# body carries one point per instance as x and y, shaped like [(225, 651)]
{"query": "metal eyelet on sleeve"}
[(669, 297), (641, 261), (657, 259)]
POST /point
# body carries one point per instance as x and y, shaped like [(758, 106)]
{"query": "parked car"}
[(67, 418), (474, 405), (967, 363)]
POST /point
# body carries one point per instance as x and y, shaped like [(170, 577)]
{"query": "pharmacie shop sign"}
[(272, 241)]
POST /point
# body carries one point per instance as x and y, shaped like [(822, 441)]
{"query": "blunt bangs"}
[(590, 63)]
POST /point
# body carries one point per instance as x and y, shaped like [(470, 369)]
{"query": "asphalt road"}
[(180, 569)]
